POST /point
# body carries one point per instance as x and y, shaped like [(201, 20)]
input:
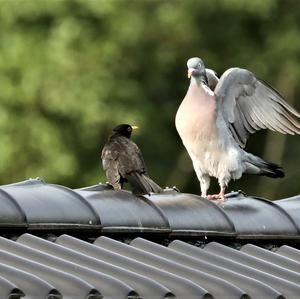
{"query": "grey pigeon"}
[(122, 161), (216, 118)]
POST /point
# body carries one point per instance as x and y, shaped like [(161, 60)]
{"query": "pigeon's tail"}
[(256, 165), (141, 184)]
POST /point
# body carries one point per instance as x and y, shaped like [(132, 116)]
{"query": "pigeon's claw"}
[(214, 196), (219, 197)]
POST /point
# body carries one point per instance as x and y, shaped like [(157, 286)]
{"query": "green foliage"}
[(72, 69)]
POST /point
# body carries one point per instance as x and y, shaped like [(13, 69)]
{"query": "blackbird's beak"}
[(134, 127)]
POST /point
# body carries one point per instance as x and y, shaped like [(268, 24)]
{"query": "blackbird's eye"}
[(129, 129)]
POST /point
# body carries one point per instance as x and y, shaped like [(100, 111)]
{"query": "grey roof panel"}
[(258, 216), (271, 257), (31, 285), (289, 252), (9, 290), (106, 285), (253, 287), (179, 286), (217, 286), (69, 285), (188, 213), (11, 215), (142, 284), (98, 187), (289, 289), (34, 205), (79, 269), (122, 211), (47, 205), (72, 268), (292, 207), (252, 261)]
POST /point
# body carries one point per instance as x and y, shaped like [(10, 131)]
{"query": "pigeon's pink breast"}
[(196, 116)]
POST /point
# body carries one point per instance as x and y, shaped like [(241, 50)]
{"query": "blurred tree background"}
[(70, 70)]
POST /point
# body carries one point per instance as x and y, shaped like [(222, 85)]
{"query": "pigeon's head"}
[(124, 130), (196, 68)]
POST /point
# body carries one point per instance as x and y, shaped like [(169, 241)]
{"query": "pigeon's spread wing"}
[(248, 104)]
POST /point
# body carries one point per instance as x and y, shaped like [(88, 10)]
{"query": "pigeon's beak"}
[(134, 127), (190, 72)]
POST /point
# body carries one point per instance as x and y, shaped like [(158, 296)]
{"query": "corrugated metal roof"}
[(33, 205), (72, 268), (150, 247)]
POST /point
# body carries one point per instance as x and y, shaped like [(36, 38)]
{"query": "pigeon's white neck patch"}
[(200, 84)]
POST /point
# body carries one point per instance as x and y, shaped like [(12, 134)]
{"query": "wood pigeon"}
[(216, 117)]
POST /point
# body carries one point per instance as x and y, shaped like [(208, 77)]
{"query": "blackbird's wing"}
[(110, 163), (121, 156), (130, 159), (122, 159), (132, 166)]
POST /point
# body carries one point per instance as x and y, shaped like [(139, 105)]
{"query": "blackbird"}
[(122, 161)]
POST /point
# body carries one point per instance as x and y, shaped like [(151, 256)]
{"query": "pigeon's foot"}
[(220, 197), (217, 197)]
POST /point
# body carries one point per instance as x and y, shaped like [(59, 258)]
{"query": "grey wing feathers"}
[(248, 104), (212, 78)]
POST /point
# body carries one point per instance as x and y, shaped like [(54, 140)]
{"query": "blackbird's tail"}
[(141, 184)]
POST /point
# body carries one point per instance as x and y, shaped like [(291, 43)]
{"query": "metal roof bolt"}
[(90, 222), (175, 189)]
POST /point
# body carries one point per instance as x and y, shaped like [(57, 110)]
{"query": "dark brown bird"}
[(122, 161)]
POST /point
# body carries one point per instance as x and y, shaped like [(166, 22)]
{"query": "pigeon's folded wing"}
[(248, 104), (212, 78)]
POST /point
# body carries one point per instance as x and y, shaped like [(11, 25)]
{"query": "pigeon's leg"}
[(203, 178), (222, 194), (223, 182), (204, 184)]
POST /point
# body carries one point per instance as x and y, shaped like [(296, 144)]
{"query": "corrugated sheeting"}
[(187, 266), (72, 268), (33, 205)]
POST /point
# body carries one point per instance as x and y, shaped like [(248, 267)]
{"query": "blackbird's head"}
[(124, 130)]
